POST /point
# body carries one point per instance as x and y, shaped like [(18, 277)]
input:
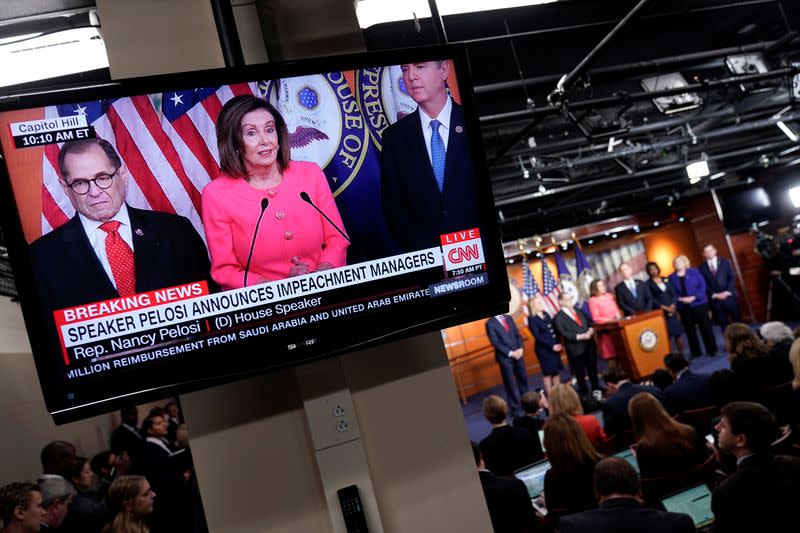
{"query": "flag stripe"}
[(188, 133)]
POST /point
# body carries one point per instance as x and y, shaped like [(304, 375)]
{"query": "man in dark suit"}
[(575, 328), (507, 448), (633, 296), (427, 178), (620, 391), (721, 283), (109, 249), (510, 355), (688, 390), (762, 494), (127, 438), (618, 490), (509, 505)]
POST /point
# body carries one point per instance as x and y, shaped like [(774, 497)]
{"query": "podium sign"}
[(641, 342)]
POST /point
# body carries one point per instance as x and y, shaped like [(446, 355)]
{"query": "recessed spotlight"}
[(682, 219), (656, 223), (614, 236), (591, 241)]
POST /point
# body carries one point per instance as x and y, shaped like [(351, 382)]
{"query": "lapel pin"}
[(459, 129), (139, 232)]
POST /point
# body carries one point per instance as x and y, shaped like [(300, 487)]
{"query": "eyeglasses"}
[(103, 181)]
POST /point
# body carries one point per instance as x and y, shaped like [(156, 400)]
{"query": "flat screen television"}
[(174, 232), (742, 207)]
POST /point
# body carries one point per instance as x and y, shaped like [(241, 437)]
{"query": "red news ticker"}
[(125, 304), (460, 236)]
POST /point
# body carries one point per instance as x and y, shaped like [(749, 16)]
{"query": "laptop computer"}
[(694, 501), (629, 456), (533, 477)]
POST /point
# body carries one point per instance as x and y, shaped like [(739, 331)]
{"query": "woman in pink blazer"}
[(603, 308), (293, 238)]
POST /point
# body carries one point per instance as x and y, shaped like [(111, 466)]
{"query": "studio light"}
[(697, 170), (591, 241), (794, 196), (788, 131), (656, 223), (717, 176), (682, 219)]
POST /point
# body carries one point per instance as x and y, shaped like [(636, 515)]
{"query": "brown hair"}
[(593, 286), (568, 447), (229, 134), (564, 399), (794, 358), (495, 409), (82, 146), (655, 429), (741, 341), (121, 491)]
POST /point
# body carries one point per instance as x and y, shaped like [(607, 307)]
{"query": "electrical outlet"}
[(342, 425), (338, 410)]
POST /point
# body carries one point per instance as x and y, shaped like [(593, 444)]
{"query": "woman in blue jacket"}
[(693, 305), (546, 345)]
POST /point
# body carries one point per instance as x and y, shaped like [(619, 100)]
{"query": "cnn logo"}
[(461, 254)]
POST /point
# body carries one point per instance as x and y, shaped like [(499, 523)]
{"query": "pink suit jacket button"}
[(280, 215), (272, 193), (289, 235)]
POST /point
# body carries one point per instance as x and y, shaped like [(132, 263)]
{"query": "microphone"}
[(306, 198), (264, 204)]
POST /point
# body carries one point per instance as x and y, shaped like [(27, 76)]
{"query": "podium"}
[(640, 342)]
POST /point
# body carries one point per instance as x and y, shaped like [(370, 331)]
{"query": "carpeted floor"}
[(478, 427)]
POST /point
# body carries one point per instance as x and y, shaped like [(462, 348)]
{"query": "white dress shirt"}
[(631, 283), (160, 444), (444, 129), (712, 264), (97, 237)]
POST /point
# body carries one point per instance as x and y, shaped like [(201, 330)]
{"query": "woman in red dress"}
[(603, 308)]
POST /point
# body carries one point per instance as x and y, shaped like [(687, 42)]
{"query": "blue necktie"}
[(438, 154), (633, 289)]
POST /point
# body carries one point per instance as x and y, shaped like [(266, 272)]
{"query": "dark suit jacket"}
[(689, 391), (761, 495), (615, 408), (124, 440), (723, 281), (626, 515), (415, 211), (502, 340), (569, 330), (631, 305), (508, 448), (509, 504), (167, 251)]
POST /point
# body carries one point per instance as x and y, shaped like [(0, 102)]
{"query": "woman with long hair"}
[(603, 308), (568, 485), (131, 500), (690, 289), (751, 361), (663, 446), (546, 346), (665, 298), (564, 399)]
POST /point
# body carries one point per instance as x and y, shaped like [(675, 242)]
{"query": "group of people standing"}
[(689, 298)]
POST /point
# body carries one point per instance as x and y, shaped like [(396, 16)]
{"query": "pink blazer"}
[(603, 308), (290, 227)]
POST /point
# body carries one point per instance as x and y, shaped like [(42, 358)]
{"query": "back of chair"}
[(656, 488), (700, 418), (777, 399)]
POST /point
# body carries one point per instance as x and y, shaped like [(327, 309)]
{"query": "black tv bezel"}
[(494, 297)]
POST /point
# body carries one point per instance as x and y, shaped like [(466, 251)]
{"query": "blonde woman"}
[(693, 306), (564, 399), (546, 346), (130, 498)]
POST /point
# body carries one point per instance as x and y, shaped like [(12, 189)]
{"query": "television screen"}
[(174, 232), (741, 208)]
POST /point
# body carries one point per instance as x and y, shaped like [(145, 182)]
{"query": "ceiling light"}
[(682, 219), (656, 223), (697, 170), (591, 241), (788, 131), (542, 190), (794, 195), (717, 176), (614, 236), (526, 174)]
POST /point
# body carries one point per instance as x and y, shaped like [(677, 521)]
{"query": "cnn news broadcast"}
[(189, 234)]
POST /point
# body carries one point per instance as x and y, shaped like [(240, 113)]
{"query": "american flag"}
[(530, 289), (551, 290), (171, 154)]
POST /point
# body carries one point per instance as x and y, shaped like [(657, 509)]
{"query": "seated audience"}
[(794, 358), (530, 420), (725, 387), (57, 495), (661, 379), (762, 494), (564, 399), (689, 390), (507, 448), (756, 367), (618, 490), (663, 446), (57, 458), (21, 508), (778, 338), (568, 486), (130, 499), (87, 511), (509, 505), (620, 391)]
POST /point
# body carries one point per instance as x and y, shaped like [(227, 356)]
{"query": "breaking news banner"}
[(114, 334)]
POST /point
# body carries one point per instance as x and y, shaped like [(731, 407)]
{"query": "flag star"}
[(177, 99), (80, 109)]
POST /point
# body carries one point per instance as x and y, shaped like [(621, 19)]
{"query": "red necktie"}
[(714, 270), (505, 325), (120, 257), (577, 318)]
